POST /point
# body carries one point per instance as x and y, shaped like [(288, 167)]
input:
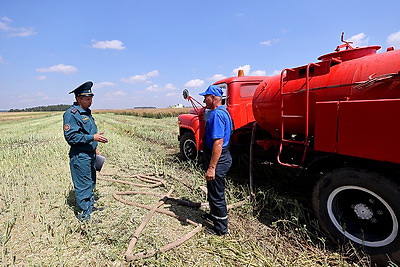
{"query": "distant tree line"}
[(60, 107), (144, 107)]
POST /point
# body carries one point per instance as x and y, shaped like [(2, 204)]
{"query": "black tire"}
[(361, 206), (188, 147)]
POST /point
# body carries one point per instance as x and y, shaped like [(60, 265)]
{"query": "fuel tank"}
[(349, 74)]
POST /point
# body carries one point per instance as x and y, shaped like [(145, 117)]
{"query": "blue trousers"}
[(216, 191), (83, 175)]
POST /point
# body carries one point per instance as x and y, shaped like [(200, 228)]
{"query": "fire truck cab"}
[(238, 96)]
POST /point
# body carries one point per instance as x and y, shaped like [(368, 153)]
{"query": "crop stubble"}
[(37, 202)]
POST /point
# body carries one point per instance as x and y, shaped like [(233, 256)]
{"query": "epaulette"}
[(74, 110)]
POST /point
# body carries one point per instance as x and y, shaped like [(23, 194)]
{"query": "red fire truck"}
[(336, 120)]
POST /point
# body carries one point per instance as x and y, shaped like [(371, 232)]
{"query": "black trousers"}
[(216, 190)]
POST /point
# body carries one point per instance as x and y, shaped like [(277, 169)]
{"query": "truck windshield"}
[(224, 87)]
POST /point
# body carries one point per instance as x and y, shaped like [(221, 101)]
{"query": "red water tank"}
[(351, 74)]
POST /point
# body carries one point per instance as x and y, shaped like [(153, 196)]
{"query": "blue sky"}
[(144, 53)]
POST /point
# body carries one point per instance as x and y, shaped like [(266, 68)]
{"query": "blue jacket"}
[(79, 129)]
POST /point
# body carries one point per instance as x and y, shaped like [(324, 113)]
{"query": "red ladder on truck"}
[(304, 117)]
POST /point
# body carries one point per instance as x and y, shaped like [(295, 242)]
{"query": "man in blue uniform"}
[(80, 132), (218, 160)]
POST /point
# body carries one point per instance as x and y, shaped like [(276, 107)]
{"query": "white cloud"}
[(394, 39), (141, 78), (6, 19), (247, 72), (135, 79), (359, 40), (269, 42), (21, 32), (116, 93), (194, 83), (119, 93), (33, 97), (67, 69), (157, 88), (41, 78), (4, 26), (173, 94), (2, 60), (170, 86), (103, 84), (258, 73), (113, 44), (216, 77), (153, 73), (153, 88), (275, 72)]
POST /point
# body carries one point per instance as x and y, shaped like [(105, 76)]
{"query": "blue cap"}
[(84, 89), (213, 90)]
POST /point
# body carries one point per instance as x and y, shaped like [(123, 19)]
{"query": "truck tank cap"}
[(350, 54)]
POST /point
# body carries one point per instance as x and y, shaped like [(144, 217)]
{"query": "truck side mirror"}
[(185, 94)]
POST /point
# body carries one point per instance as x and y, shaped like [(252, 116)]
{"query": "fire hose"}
[(153, 182)]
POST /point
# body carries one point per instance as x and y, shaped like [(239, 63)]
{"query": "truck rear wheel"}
[(360, 206), (188, 147)]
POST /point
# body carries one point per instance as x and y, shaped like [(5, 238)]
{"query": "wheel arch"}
[(322, 163), (183, 130)]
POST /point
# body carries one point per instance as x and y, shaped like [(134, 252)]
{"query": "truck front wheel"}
[(360, 206), (188, 147)]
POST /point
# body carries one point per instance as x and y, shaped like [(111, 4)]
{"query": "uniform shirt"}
[(218, 125), (79, 129)]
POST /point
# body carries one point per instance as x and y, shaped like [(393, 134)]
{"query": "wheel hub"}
[(360, 214), (363, 211), (189, 149)]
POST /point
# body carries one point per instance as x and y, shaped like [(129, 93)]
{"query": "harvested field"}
[(40, 227), (148, 113), (23, 115)]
